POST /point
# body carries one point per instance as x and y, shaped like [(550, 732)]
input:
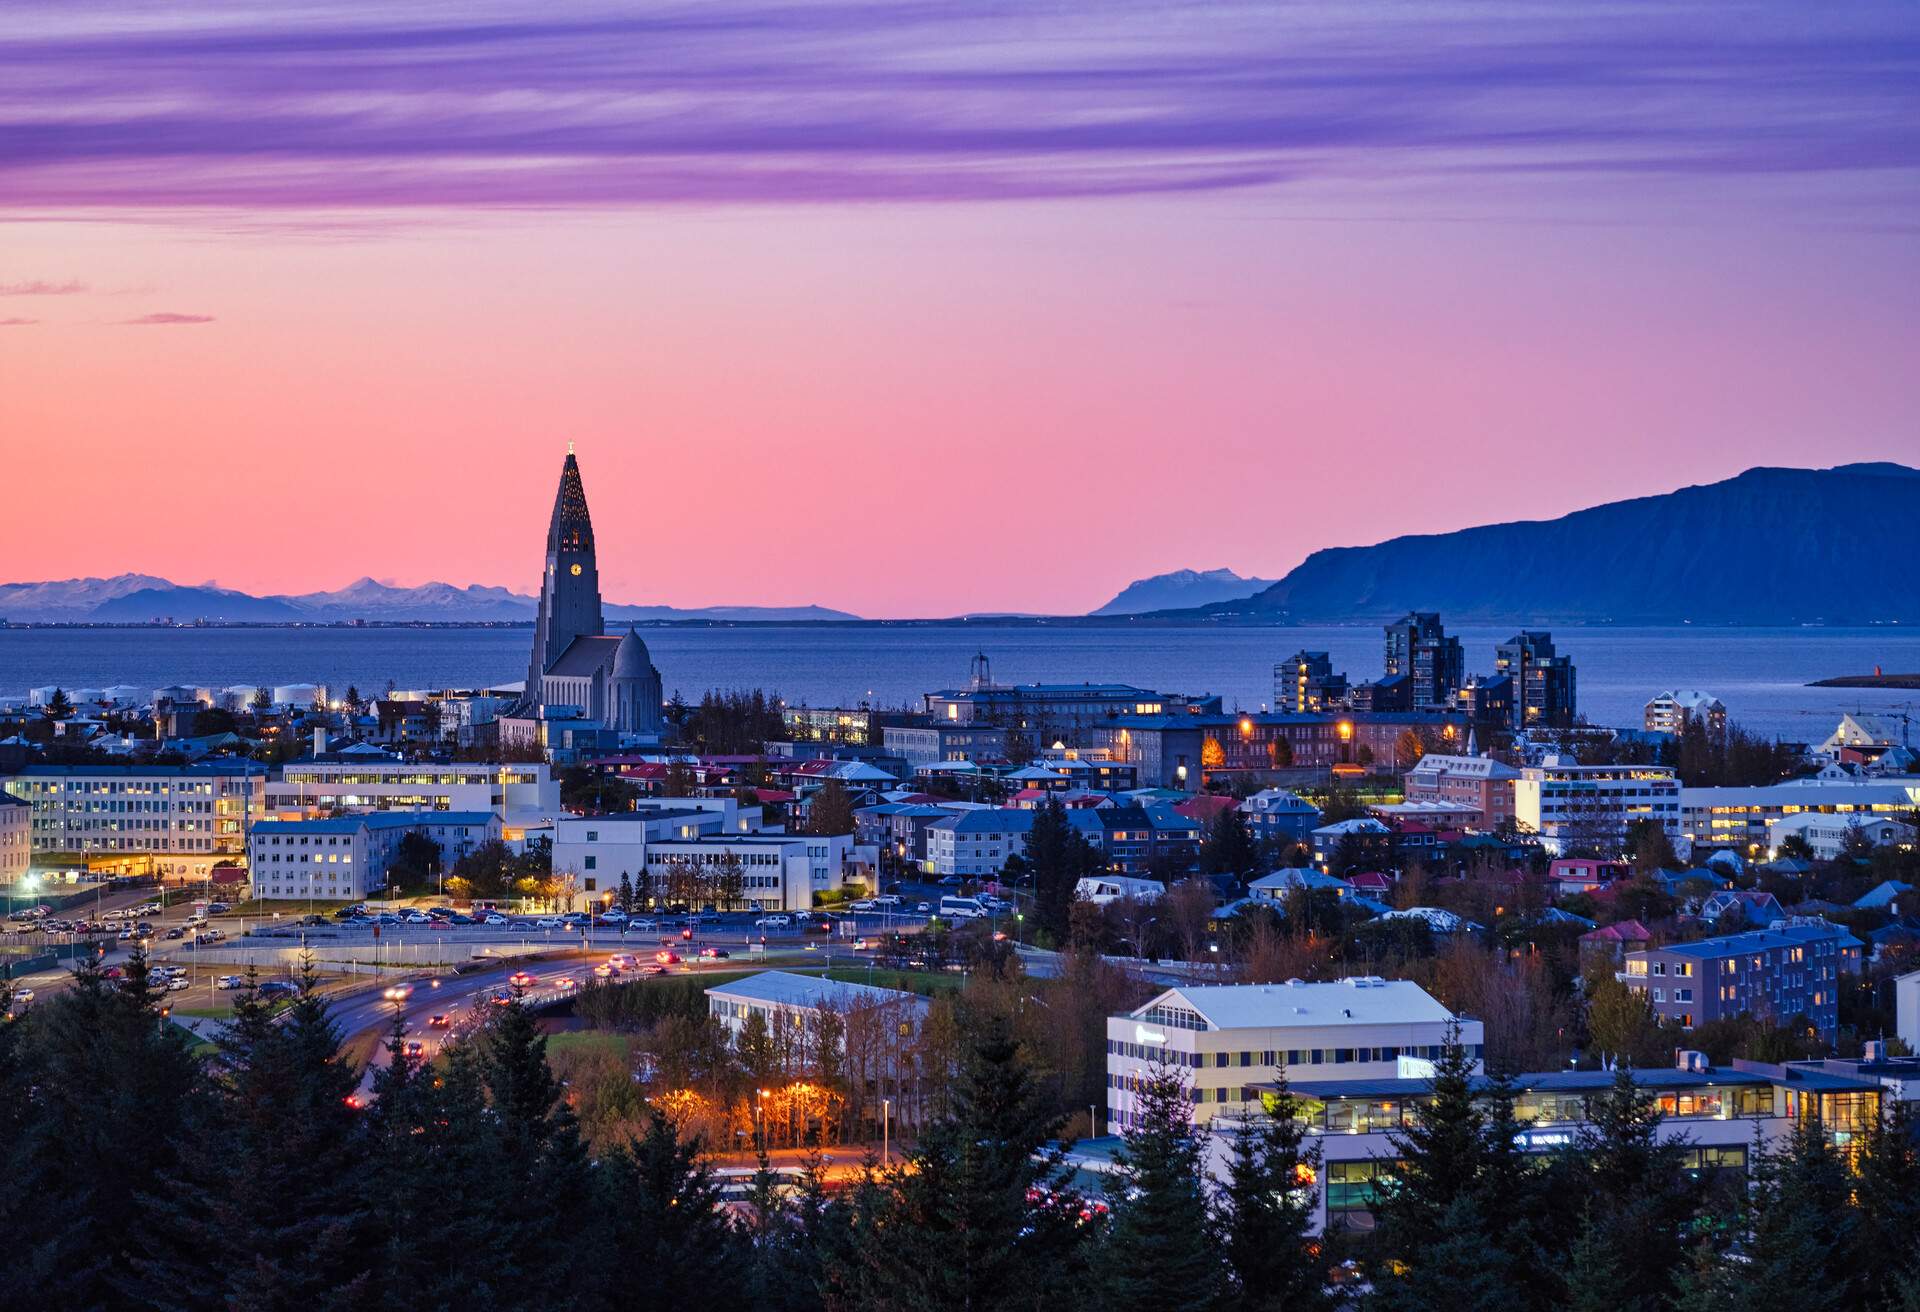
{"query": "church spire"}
[(570, 583)]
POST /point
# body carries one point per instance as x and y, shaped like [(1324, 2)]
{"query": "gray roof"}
[(783, 988), (583, 656)]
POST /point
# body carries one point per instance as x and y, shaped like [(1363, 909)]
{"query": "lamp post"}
[(886, 1125)]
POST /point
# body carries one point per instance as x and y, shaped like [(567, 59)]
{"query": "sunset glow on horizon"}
[(953, 298)]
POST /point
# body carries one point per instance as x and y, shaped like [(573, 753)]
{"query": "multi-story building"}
[(1364, 837), (173, 821), (778, 872), (853, 726), (1066, 711), (975, 844), (1828, 835), (1185, 751), (1672, 711), (1418, 649), (925, 744), (1573, 805), (1718, 1114), (1738, 818), (1790, 970), (1478, 783), (1543, 682), (1229, 1038), (16, 839), (347, 857), (1305, 683), (519, 791), (1134, 839)]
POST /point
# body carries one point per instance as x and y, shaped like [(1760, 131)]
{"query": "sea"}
[(1760, 673)]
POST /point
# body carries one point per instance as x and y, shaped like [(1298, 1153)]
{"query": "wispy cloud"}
[(167, 317), (42, 287), (16, 323), (350, 104)]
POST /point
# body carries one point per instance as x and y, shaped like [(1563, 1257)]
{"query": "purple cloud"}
[(167, 317), (41, 287), (238, 104)]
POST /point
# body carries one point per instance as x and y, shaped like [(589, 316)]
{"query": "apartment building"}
[(1789, 970), (347, 858), (521, 791), (1478, 783), (1738, 818)]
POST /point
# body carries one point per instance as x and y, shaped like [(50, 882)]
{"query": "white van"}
[(962, 908)]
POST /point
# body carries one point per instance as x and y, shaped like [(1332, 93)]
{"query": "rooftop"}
[(783, 988), (1359, 1000)]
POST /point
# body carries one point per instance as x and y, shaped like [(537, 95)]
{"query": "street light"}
[(886, 1119)]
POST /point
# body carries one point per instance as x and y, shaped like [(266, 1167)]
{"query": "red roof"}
[(1205, 806), (1625, 931)]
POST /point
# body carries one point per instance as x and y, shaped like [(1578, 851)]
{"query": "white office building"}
[(1738, 818), (346, 858), (519, 792), (16, 839), (174, 821), (786, 1001), (1828, 834), (1562, 800), (1227, 1038)]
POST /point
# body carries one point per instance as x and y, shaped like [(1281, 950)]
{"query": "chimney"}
[(320, 740), (1687, 1059), (1873, 1051)]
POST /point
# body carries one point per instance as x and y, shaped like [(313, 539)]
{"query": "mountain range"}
[(142, 598), (1770, 546), (1182, 588)]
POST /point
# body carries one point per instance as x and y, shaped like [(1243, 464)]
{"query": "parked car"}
[(547, 922), (178, 984), (642, 925), (217, 908), (923, 908), (774, 922), (277, 988), (176, 932), (458, 919), (231, 982), (864, 904), (417, 918), (495, 918)]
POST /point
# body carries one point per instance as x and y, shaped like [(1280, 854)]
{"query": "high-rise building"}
[(1305, 681), (1434, 664), (1543, 684)]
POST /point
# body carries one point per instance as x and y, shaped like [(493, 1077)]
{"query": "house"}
[(1278, 817), (1754, 907), (1371, 883), (1617, 939), (1365, 837), (1881, 896), (1276, 886), (1573, 874), (1102, 889), (1437, 919)]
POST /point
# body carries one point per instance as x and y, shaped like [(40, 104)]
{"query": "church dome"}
[(631, 659)]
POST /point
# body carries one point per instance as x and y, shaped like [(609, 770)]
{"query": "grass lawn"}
[(584, 1041), (289, 908), (925, 982)]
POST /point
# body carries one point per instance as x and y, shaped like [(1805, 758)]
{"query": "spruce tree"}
[(1638, 1201), (108, 1084), (1265, 1213), (1888, 1243), (1158, 1252), (1440, 1154), (979, 1215), (539, 1163), (659, 1208), (1058, 857)]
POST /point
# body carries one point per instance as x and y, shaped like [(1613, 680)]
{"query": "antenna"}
[(569, 448)]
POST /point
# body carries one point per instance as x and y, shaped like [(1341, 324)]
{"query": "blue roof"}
[(1760, 940), (989, 820)]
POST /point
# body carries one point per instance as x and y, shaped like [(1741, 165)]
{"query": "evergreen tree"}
[(1440, 1154), (1059, 857), (1630, 1244), (1159, 1253), (785, 1241), (1228, 848), (1889, 1198), (830, 811), (1801, 1237), (271, 1176), (107, 1085), (539, 1161), (659, 1208), (980, 1215), (1265, 1214)]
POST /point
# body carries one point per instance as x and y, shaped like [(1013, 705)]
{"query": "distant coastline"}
[(1868, 681)]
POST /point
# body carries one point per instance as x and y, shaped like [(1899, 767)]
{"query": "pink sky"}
[(918, 406)]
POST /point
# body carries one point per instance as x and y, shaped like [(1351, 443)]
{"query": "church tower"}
[(570, 587)]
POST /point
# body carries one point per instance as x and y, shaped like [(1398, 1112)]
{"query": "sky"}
[(926, 308)]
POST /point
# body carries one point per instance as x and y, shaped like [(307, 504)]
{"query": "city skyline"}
[(841, 272)]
